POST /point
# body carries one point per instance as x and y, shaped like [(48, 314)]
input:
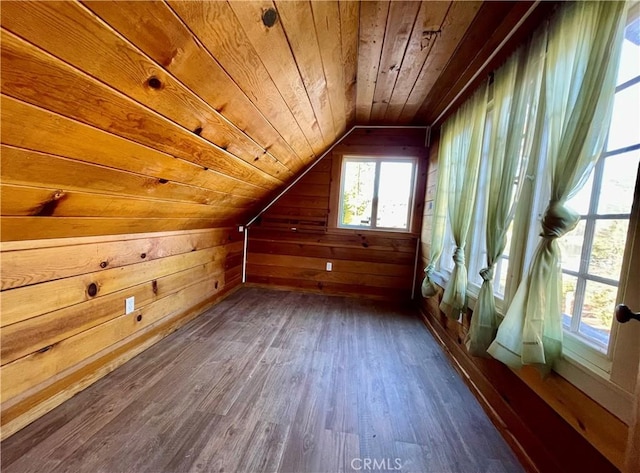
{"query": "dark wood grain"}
[(273, 381)]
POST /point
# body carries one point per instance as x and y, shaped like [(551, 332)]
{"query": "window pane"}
[(479, 224), (580, 201), (625, 122), (630, 57), (618, 183), (446, 259), (597, 312), (500, 281), (394, 194), (609, 240), (569, 284), (476, 266), (502, 266), (507, 247), (357, 192), (571, 247)]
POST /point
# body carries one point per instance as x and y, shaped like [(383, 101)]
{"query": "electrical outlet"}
[(329, 265), (240, 228), (129, 304)]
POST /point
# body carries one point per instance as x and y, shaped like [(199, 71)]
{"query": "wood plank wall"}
[(63, 307), (576, 434), (125, 116), (105, 131), (291, 243)]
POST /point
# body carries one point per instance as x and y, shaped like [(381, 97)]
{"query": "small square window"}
[(377, 193)]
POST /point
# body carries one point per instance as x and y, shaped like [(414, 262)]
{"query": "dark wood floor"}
[(274, 381)]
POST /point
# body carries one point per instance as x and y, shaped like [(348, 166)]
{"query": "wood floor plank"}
[(267, 442), (91, 410), (274, 381), (191, 438), (302, 449)]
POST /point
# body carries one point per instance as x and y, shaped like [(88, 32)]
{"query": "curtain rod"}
[(489, 59)]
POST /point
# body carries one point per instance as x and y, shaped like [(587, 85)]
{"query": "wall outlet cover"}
[(129, 304), (329, 265)]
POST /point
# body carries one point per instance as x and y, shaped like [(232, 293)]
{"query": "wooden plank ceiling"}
[(121, 117)]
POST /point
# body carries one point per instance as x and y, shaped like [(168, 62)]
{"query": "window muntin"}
[(377, 193), (592, 254)]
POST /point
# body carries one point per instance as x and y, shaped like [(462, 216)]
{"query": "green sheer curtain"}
[(516, 127), (439, 219), (463, 133), (582, 58)]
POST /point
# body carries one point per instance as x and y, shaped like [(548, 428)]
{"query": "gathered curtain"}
[(579, 84), (515, 132), (462, 148), (439, 219)]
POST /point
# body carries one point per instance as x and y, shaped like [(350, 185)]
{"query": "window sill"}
[(442, 277), (595, 383), (375, 232)]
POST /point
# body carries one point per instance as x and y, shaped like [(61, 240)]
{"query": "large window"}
[(377, 193), (598, 256), (593, 252), (478, 258)]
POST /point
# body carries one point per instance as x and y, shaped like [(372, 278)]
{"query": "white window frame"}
[(585, 364), (378, 160)]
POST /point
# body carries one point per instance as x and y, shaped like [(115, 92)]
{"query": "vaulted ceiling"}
[(213, 106)]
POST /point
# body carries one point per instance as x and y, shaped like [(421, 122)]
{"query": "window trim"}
[(378, 160), (416, 153)]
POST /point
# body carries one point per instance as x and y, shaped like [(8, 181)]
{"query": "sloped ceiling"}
[(142, 116)]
